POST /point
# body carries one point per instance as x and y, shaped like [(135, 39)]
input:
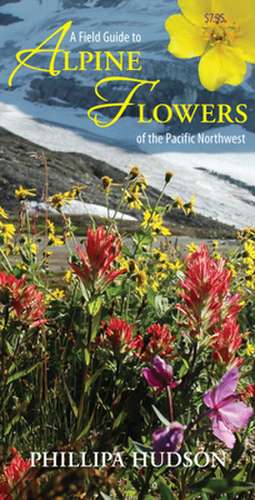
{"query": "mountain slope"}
[(22, 162)]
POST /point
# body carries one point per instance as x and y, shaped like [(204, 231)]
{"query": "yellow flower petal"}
[(220, 66), (245, 42), (186, 39), (236, 10), (195, 11)]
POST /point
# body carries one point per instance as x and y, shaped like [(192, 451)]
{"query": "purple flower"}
[(228, 414), (168, 439), (159, 375)]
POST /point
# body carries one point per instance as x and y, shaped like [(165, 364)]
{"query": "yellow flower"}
[(188, 208), (57, 294), (176, 266), (33, 248), (55, 240), (51, 226), (221, 32), (192, 247), (178, 203), (232, 268), (155, 222), (250, 350), (7, 231), (58, 200), (68, 276), (23, 193), (133, 197), (134, 172), (142, 283), (3, 213)]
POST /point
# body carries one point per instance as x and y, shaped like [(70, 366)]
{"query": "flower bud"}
[(106, 181), (168, 176), (134, 172)]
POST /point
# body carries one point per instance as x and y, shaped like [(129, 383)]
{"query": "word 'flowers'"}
[(227, 413), (221, 33)]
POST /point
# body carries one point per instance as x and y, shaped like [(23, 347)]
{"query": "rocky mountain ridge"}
[(22, 163)]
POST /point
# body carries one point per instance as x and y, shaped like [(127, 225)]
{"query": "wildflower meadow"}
[(139, 349)]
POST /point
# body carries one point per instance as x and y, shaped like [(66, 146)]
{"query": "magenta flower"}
[(227, 413), (168, 439), (159, 375)]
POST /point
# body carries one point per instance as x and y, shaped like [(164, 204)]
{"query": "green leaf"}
[(119, 419), (11, 424), (104, 496), (161, 305), (142, 448), (220, 486), (22, 373), (87, 427), (95, 306), (165, 492), (71, 401), (87, 357), (184, 368), (161, 417), (151, 297), (93, 378)]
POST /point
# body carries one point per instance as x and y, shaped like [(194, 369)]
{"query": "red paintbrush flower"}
[(158, 340), (249, 392), (29, 306), (206, 299), (226, 342), (14, 474), (119, 333), (23, 299), (96, 258)]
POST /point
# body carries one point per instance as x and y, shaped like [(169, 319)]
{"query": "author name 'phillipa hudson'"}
[(100, 459)]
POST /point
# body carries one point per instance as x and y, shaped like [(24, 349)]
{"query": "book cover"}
[(127, 249)]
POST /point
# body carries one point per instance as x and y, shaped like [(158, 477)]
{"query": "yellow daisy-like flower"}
[(133, 198), (142, 283), (221, 33), (176, 266), (3, 213), (188, 208), (56, 241), (68, 276), (57, 294), (7, 231), (192, 247), (250, 350), (58, 200), (23, 193), (155, 222)]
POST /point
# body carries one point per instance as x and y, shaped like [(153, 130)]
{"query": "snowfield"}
[(215, 197)]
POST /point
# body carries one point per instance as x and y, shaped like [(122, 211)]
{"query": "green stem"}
[(4, 374), (170, 404), (84, 380)]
